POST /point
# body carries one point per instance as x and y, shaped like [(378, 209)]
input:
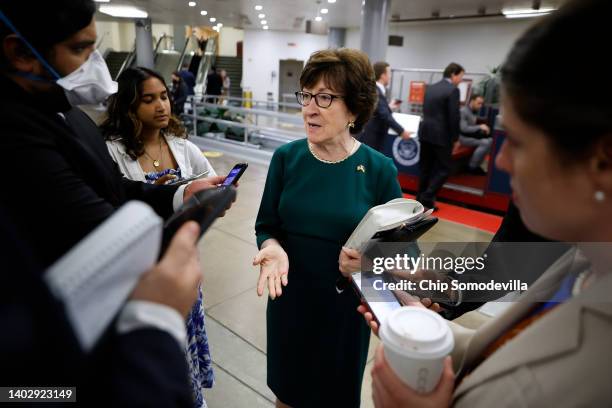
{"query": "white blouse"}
[(188, 156)]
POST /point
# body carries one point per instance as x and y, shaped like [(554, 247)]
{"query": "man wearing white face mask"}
[(69, 182), (68, 185)]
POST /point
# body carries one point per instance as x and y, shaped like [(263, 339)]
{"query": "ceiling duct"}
[(316, 27)]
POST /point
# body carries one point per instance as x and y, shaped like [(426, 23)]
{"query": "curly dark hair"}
[(347, 71), (122, 123)]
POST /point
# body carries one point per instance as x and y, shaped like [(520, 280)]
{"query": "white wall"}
[(262, 52), (353, 38), (477, 44), (108, 32), (157, 30), (120, 36), (228, 37)]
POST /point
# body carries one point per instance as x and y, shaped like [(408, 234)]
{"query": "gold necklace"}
[(156, 163), (353, 148)]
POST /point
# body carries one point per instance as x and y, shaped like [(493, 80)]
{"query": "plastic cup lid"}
[(417, 331)]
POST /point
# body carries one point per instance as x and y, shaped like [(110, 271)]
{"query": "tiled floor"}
[(236, 315)]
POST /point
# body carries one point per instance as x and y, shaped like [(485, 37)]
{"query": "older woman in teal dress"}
[(316, 192)]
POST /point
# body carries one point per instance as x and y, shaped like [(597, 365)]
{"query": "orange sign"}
[(417, 92)]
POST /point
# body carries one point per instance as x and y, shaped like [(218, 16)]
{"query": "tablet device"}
[(203, 207)]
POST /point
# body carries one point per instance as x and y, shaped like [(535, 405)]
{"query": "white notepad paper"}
[(96, 277), (409, 122), (385, 217)]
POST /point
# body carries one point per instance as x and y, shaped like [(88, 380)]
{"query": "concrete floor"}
[(236, 319)]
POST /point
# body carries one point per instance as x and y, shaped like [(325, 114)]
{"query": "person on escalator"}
[(179, 93), (214, 85)]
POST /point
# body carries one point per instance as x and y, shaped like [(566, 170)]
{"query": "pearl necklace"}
[(349, 154)]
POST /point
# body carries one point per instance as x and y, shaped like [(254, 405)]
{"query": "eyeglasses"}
[(323, 100)]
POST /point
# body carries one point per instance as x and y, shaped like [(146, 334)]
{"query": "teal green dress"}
[(317, 343)]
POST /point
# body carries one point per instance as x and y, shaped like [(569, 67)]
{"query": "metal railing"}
[(255, 132), (265, 105), (129, 60)]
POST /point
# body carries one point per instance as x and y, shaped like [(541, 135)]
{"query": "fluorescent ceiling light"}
[(262, 15), (258, 7), (318, 18), (264, 22), (123, 11), (324, 11), (203, 12), (331, 1), (525, 13), (192, 4), (102, 1), (212, 19), (265, 27)]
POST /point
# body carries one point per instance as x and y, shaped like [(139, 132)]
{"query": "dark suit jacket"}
[(142, 368), (440, 125), (179, 97), (63, 183), (214, 84), (376, 129)]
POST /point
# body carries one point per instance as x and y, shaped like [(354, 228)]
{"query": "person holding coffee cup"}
[(558, 154)]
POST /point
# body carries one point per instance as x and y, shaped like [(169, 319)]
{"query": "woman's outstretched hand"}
[(274, 269)]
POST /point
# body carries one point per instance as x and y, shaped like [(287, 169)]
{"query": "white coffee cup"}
[(416, 341)]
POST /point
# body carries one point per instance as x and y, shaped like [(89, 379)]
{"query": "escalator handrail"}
[(180, 63), (128, 61), (156, 49), (205, 64)]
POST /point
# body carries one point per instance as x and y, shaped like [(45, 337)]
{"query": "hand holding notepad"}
[(97, 276)]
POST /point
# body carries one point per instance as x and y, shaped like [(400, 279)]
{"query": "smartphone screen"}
[(380, 304), (235, 174)]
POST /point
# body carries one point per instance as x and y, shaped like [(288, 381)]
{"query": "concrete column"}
[(375, 28), (336, 37), (144, 43), (179, 35)]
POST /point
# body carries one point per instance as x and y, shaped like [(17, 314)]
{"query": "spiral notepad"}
[(96, 277)]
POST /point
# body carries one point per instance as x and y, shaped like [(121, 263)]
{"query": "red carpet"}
[(469, 180), (465, 216)]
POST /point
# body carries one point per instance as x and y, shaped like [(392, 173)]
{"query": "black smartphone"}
[(235, 173), (380, 303), (203, 207)]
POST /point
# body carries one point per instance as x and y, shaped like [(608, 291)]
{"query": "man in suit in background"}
[(214, 85), (475, 135), (438, 132), (377, 128)]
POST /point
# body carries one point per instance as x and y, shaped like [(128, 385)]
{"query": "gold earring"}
[(351, 124)]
